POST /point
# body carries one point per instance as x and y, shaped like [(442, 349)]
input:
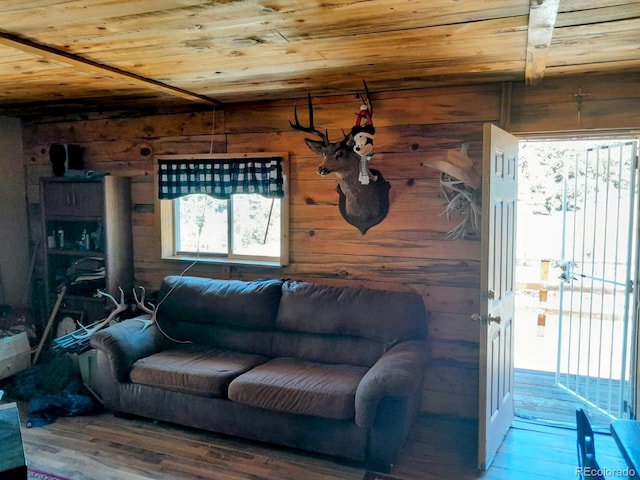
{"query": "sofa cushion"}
[(327, 348), (384, 316), (193, 369), (301, 387), (233, 303), (224, 314)]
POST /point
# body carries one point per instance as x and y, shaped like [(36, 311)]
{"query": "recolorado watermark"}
[(587, 472)]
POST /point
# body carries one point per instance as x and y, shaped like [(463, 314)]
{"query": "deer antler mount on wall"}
[(363, 193), (460, 185)]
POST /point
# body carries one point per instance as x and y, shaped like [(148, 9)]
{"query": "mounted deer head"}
[(363, 193)]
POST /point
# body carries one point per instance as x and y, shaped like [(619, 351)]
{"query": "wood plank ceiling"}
[(98, 54)]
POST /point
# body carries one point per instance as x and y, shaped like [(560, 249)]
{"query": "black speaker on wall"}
[(65, 157)]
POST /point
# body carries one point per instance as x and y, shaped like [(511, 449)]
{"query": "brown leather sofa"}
[(332, 370)]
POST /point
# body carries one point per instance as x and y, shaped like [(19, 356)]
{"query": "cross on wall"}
[(578, 98)]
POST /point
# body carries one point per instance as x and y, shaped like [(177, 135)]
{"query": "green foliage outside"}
[(203, 225), (585, 166)]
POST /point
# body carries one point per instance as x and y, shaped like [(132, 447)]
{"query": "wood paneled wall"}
[(407, 251)]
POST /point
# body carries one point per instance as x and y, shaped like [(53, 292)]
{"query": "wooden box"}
[(15, 354), (89, 371)]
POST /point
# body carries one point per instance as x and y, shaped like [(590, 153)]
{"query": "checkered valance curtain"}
[(220, 178)]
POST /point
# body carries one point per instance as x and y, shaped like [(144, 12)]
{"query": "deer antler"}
[(140, 301), (78, 341), (146, 322), (366, 99), (464, 200), (101, 294), (311, 128), (120, 307)]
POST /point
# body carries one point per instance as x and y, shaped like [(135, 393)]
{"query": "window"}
[(224, 208)]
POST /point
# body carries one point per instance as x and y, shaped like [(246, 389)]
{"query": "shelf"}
[(70, 211), (77, 297), (75, 253), (84, 218)]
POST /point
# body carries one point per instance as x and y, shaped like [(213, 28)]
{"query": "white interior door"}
[(497, 297)]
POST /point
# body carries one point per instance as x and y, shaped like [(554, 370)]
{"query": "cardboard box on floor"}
[(15, 354)]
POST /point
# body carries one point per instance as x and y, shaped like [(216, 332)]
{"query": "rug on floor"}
[(377, 476), (35, 474)]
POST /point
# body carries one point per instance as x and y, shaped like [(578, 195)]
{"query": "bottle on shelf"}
[(85, 240)]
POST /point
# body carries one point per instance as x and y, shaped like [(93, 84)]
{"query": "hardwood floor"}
[(531, 451), (104, 447)]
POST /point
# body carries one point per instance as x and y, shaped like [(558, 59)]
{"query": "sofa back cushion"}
[(345, 325), (230, 314), (337, 349)]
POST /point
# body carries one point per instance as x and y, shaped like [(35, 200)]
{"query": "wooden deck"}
[(538, 400)]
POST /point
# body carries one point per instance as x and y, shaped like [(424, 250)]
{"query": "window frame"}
[(167, 221)]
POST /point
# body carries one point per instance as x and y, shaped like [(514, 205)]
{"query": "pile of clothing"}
[(86, 275), (53, 389)]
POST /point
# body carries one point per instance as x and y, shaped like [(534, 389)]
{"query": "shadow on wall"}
[(14, 237)]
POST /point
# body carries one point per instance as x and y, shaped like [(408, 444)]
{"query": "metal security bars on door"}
[(596, 323)]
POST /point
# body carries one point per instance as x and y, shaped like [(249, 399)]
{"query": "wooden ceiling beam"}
[(89, 66), (542, 20)]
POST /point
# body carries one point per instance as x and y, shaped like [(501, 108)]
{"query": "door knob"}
[(476, 317)]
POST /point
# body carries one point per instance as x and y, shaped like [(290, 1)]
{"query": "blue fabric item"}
[(45, 409), (53, 389)]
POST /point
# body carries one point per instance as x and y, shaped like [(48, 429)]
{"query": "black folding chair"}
[(587, 463)]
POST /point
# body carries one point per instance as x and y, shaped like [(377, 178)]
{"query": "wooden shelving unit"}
[(86, 221)]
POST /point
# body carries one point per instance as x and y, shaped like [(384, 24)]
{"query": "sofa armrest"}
[(397, 374), (126, 342)]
